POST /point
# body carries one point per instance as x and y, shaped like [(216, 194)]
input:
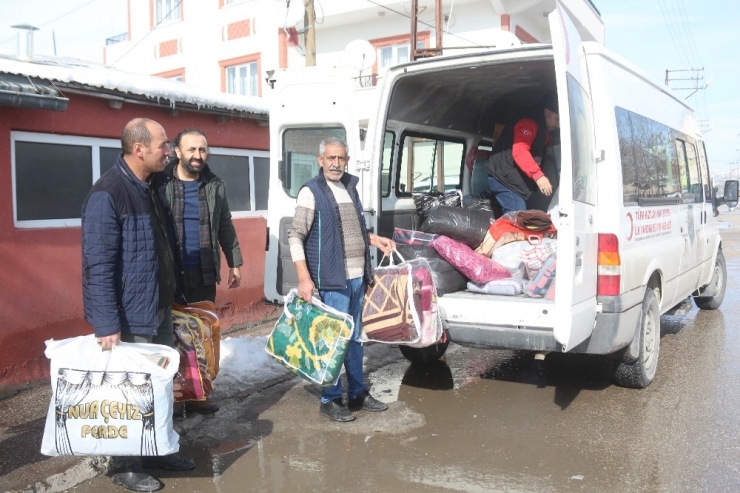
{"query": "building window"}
[(393, 55), (242, 79), (241, 75), (246, 174), (392, 51), (52, 175), (168, 10), (176, 75)]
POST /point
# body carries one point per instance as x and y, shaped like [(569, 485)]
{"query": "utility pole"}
[(425, 52), (309, 36), (696, 78)]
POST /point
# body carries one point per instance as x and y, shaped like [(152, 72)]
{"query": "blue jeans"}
[(509, 201), (348, 300)]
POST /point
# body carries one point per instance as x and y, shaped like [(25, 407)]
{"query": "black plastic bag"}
[(425, 202), (446, 278), (467, 226)]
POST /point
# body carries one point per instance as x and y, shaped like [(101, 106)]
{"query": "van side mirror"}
[(731, 193)]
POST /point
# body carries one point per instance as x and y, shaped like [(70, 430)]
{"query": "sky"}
[(653, 34)]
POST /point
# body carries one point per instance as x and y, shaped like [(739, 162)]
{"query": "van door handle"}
[(579, 259)]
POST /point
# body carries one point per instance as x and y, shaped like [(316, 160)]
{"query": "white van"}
[(636, 225)]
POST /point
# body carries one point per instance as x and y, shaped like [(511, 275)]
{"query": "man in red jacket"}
[(514, 166)]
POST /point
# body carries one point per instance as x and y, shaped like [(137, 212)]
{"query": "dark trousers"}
[(195, 290)]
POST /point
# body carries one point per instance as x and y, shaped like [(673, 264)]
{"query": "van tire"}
[(424, 355), (719, 278), (640, 373)]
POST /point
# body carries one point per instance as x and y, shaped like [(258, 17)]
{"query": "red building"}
[(60, 127)]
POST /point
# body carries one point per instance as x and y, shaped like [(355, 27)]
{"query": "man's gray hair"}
[(332, 141)]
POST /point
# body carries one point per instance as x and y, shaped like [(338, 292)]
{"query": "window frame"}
[(251, 154), (158, 7), (95, 143), (236, 62)]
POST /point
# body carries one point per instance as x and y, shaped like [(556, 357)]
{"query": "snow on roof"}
[(75, 71)]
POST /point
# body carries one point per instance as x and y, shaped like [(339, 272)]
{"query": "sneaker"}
[(201, 407), (336, 411), (366, 402), (170, 462)]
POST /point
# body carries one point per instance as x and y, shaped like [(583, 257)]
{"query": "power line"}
[(56, 18), (669, 25), (689, 34), (424, 23)]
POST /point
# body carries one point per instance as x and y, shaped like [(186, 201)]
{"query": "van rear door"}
[(308, 105), (575, 291)]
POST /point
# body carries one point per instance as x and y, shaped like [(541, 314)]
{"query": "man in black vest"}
[(514, 166), (330, 246)]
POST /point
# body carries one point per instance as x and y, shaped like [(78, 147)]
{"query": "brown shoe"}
[(201, 407)]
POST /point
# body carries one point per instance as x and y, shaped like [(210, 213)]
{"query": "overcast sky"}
[(654, 34)]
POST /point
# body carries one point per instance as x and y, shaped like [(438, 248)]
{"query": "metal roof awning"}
[(30, 92)]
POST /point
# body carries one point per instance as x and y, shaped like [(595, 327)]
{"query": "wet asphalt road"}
[(487, 421)]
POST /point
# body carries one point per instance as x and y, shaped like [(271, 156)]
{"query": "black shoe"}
[(170, 462), (202, 407), (366, 402), (137, 481), (336, 411)]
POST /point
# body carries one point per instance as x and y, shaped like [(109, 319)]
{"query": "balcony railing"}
[(116, 39), (366, 81)]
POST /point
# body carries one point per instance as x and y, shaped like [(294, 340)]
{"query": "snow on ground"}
[(244, 362)]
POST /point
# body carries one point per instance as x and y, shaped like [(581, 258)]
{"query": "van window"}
[(584, 166), (650, 171), (385, 174), (705, 173), (429, 164), (300, 148), (690, 181)]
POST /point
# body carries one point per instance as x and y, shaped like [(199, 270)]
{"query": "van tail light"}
[(609, 266)]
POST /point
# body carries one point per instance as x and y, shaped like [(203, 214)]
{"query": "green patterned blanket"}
[(310, 339)]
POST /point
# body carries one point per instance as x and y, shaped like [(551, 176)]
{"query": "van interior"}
[(436, 117)]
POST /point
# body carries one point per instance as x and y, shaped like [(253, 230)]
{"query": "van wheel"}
[(640, 373), (718, 282), (424, 355)]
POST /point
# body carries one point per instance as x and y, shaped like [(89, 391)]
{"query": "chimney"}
[(25, 41)]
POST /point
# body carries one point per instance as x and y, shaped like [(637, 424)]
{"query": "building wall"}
[(202, 36), (40, 282)]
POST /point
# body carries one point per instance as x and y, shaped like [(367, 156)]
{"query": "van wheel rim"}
[(649, 339)]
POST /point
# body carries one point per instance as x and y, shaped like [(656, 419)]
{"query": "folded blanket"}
[(506, 287)]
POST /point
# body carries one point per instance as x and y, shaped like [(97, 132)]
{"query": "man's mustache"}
[(334, 168)]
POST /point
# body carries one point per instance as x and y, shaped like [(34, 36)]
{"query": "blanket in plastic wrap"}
[(310, 339), (474, 266)]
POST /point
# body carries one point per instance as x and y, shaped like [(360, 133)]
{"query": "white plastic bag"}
[(116, 402)]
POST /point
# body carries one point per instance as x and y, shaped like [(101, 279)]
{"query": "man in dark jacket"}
[(514, 166), (128, 265), (330, 246), (198, 201)]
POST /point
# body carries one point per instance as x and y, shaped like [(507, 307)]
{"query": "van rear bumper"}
[(497, 337), (612, 332)]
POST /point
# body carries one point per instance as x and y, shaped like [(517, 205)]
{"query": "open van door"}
[(575, 291), (307, 106)]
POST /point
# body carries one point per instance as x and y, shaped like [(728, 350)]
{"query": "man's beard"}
[(190, 168)]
